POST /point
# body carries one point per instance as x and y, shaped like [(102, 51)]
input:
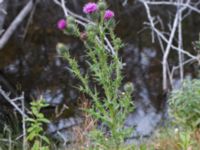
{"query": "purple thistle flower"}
[(62, 24), (109, 14), (90, 8)]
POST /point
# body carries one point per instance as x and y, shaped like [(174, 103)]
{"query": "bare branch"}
[(176, 27), (13, 26), (180, 44), (13, 103), (170, 3)]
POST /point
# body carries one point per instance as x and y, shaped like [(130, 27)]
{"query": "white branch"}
[(167, 51), (10, 100), (180, 45), (181, 6), (13, 26), (186, 5)]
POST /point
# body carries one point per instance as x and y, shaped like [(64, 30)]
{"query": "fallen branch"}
[(16, 22), (12, 101)]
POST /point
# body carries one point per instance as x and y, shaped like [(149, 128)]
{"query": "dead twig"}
[(175, 34), (16, 22), (12, 101)]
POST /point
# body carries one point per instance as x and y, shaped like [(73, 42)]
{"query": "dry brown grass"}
[(166, 144), (82, 130), (172, 141), (196, 136)]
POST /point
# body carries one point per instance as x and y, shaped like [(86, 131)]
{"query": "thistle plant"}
[(111, 103), (35, 129)]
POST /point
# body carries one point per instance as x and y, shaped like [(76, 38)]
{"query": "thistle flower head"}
[(90, 8), (109, 14), (62, 24)]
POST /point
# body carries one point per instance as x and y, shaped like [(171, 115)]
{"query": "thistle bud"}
[(91, 28), (61, 48), (70, 29), (102, 5), (71, 20), (128, 87), (91, 36)]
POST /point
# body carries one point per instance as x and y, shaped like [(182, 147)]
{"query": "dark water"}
[(29, 61)]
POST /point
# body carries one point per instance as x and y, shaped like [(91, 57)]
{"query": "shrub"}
[(184, 104)]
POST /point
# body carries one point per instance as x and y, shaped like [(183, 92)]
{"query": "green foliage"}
[(35, 129), (185, 140), (110, 104), (185, 104)]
